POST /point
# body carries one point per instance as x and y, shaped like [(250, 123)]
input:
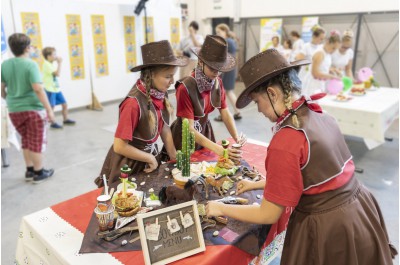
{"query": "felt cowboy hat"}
[(261, 68), (214, 53), (159, 53)]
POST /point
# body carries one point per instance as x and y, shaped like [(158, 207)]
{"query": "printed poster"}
[(100, 45), (74, 31), (130, 42), (307, 24), (149, 29), (31, 27), (269, 28), (3, 38), (175, 34)]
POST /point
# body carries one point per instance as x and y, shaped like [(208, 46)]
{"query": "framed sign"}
[(170, 233)]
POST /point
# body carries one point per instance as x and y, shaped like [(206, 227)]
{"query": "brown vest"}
[(328, 152), (143, 130), (197, 101)]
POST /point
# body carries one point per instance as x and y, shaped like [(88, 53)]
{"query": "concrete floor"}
[(77, 153)]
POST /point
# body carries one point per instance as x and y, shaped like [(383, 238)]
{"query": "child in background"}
[(21, 86), (50, 81), (287, 49)]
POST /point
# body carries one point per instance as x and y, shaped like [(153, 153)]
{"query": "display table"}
[(54, 235), (367, 116)]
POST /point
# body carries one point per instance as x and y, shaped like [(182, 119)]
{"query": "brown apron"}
[(342, 226), (141, 136), (202, 123)]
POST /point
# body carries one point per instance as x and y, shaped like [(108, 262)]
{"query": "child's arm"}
[(229, 123), (123, 148), (266, 213), (3, 90), (246, 185), (316, 63), (39, 90), (57, 72), (207, 143), (166, 136)]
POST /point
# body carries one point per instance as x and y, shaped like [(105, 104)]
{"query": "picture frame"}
[(172, 241)]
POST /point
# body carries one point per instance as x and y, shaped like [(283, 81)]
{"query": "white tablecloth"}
[(367, 116), (46, 239)]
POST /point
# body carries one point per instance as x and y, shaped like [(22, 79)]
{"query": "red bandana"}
[(308, 101)]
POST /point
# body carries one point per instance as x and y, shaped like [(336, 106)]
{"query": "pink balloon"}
[(364, 74), (334, 86)]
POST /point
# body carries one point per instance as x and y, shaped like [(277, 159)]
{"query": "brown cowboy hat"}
[(159, 53), (214, 53), (261, 68)]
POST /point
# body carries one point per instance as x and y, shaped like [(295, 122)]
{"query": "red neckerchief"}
[(308, 101), (159, 103)]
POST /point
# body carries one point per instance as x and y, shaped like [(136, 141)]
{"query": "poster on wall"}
[(269, 27), (148, 29), (130, 42), (100, 45), (74, 32), (175, 34), (31, 27), (306, 30), (3, 38)]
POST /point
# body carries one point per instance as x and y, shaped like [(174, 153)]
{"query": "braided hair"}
[(289, 83), (145, 76)]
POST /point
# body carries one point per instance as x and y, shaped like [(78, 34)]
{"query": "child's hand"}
[(151, 165), (59, 59), (244, 185), (213, 208), (50, 116), (234, 154)]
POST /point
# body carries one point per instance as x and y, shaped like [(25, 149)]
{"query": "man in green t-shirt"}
[(50, 82), (29, 108)]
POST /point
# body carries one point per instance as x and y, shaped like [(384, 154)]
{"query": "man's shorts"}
[(55, 98), (31, 125)]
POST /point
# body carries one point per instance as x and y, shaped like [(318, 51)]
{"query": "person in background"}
[(229, 78), (315, 80), (276, 44), (50, 81), (298, 44), (192, 41), (201, 93), (318, 36), (287, 49), (342, 59), (335, 219), (144, 115), (29, 108)]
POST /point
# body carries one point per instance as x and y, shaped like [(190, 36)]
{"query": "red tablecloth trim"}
[(222, 254)]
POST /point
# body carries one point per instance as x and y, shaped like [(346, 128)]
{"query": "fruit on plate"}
[(126, 206)]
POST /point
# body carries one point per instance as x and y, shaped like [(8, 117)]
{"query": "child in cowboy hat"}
[(200, 93), (144, 115), (309, 167)]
